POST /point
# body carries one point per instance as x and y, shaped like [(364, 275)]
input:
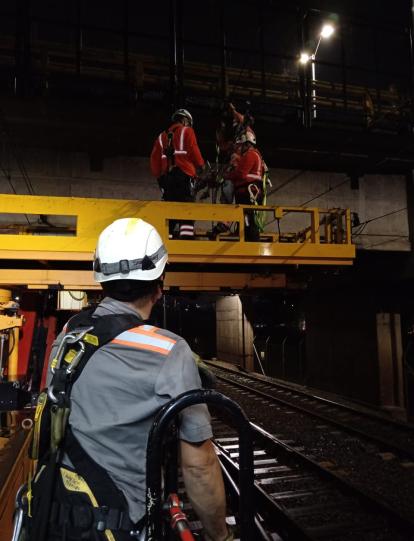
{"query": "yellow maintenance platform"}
[(70, 227)]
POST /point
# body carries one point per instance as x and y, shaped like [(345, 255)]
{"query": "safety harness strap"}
[(169, 151), (100, 330), (104, 489), (105, 329), (97, 518)]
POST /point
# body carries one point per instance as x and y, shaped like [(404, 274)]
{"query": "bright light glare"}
[(304, 58), (327, 31)]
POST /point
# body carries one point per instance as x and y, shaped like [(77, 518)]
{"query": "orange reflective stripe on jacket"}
[(145, 337)]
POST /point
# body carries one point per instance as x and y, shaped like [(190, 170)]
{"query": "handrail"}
[(156, 437)]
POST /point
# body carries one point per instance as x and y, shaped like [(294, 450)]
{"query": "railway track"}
[(297, 499), (392, 433), (340, 441)]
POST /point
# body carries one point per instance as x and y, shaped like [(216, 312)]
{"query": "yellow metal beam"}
[(190, 281), (93, 215), (10, 322)]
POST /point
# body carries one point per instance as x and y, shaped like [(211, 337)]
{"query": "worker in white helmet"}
[(175, 161), (247, 179), (115, 398)]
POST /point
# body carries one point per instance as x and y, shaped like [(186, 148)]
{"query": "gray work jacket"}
[(123, 385)]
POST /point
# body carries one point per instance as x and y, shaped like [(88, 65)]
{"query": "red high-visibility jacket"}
[(249, 169), (187, 155)]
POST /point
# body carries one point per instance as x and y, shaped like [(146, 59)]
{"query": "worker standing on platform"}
[(247, 178), (175, 162), (232, 126), (100, 484)]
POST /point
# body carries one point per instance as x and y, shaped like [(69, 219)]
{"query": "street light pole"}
[(313, 70), (326, 32)]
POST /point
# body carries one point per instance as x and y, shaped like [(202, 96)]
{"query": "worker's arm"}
[(237, 117), (243, 168), (193, 150), (205, 489), (201, 471), (155, 159)]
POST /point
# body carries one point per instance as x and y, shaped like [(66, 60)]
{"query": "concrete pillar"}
[(234, 332), (390, 363)]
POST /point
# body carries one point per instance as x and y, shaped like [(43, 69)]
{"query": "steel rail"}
[(268, 380), (280, 519), (396, 449)]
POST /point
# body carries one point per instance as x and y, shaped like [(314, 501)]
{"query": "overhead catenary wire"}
[(366, 222), (330, 189), (286, 182), (8, 178), (16, 154), (396, 239), (7, 175), (22, 168)]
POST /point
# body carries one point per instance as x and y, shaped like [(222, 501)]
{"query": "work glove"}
[(201, 171), (208, 379)]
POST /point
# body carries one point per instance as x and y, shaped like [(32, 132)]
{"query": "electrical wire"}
[(16, 154), (364, 224), (9, 180), (313, 198), (395, 239), (331, 189), (75, 298), (288, 181), (359, 232), (22, 169)]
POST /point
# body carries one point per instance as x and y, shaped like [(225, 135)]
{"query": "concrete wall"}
[(341, 344), (390, 361), (70, 174), (229, 332), (376, 196)]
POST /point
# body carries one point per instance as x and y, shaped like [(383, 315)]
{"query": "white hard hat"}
[(182, 112), (247, 137), (129, 249)]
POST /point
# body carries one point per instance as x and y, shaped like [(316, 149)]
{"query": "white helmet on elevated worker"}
[(182, 113), (246, 137), (129, 249)]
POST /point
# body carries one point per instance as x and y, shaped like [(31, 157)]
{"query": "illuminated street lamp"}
[(325, 33)]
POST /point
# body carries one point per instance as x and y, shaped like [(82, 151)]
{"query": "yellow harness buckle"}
[(70, 355), (91, 339)]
